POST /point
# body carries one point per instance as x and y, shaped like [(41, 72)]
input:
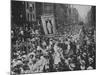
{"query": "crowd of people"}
[(32, 52)]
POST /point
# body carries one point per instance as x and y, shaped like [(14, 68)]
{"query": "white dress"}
[(49, 27), (56, 55), (57, 58)]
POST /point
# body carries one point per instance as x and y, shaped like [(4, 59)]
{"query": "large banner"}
[(48, 23)]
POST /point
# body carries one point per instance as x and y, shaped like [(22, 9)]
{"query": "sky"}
[(83, 10)]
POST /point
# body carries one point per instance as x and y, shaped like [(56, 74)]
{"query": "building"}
[(36, 11), (30, 11)]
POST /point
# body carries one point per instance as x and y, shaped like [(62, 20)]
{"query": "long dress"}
[(49, 27), (56, 56)]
